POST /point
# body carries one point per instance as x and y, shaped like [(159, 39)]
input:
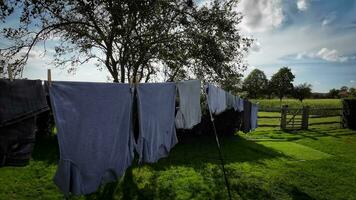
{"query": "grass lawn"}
[(319, 163), (294, 103), (268, 164)]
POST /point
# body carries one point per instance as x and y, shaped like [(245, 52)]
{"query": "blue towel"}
[(189, 112), (254, 116), (216, 99), (156, 108), (94, 133)]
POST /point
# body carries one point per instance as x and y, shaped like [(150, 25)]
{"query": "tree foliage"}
[(281, 82), (255, 83), (145, 39), (302, 91)]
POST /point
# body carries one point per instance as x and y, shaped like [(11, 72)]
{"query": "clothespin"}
[(49, 77), (9, 71)]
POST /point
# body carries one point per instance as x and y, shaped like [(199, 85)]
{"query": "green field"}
[(293, 103), (318, 163)]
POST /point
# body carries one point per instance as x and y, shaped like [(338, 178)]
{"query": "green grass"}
[(269, 164), (318, 163), (293, 103)]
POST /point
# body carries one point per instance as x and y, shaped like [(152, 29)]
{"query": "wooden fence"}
[(299, 118)]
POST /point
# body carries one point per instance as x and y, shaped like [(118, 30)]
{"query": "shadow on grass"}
[(46, 150), (312, 133), (187, 160)]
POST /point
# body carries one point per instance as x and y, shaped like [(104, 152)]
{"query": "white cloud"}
[(260, 15), (303, 5), (352, 81), (331, 55), (256, 46), (328, 20)]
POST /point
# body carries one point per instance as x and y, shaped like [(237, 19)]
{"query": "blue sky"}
[(315, 38)]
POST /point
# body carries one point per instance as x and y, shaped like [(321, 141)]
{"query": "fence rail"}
[(298, 118)]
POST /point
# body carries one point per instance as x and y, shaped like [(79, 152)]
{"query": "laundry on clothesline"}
[(254, 117), (156, 109), (94, 133), (189, 111), (216, 99), (20, 102), (95, 126)]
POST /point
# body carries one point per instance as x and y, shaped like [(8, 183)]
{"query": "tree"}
[(352, 92), (333, 93), (302, 91), (281, 82), (143, 39), (255, 83)]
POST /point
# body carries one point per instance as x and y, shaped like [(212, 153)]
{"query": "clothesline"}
[(94, 123)]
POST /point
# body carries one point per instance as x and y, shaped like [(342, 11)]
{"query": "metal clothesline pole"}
[(219, 148)]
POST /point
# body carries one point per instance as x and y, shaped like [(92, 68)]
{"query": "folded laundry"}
[(94, 133), (20, 102), (156, 108), (216, 99), (189, 112)]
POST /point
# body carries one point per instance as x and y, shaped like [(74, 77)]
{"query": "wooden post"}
[(49, 77), (9, 71), (305, 117), (284, 117)]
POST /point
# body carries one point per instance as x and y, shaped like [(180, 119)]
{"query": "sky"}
[(315, 38)]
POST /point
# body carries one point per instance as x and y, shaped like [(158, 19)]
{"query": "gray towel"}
[(254, 116), (156, 108), (189, 112), (238, 104), (216, 99), (230, 100), (94, 133)]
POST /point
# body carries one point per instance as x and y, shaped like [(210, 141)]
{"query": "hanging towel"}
[(156, 108), (230, 100), (20, 99), (20, 102), (238, 104), (216, 99), (94, 133), (254, 116), (189, 112), (246, 125)]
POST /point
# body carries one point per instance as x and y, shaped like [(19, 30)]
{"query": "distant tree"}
[(344, 89), (143, 39), (281, 82), (255, 83), (352, 92), (302, 91), (334, 93), (269, 90)]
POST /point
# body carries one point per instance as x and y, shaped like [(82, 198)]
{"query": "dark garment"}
[(20, 99), (156, 108), (94, 133), (17, 142), (20, 102), (246, 125)]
